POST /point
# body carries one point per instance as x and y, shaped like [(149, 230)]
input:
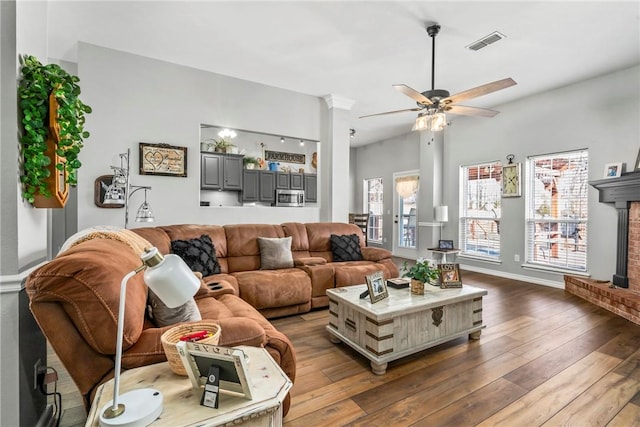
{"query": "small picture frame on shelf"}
[(613, 170), (637, 166), (377, 286), (450, 276)]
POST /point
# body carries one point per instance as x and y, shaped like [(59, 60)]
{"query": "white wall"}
[(138, 99), (382, 159), (23, 229), (599, 114)]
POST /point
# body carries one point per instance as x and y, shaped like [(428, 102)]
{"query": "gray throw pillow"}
[(165, 316), (275, 253)]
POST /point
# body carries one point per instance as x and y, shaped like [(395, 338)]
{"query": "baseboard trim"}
[(520, 277)]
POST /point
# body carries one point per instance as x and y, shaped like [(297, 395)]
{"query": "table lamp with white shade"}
[(174, 283)]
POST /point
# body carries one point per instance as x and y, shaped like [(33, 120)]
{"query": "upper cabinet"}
[(220, 172), (310, 188)]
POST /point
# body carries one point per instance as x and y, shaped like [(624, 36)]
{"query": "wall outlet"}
[(516, 258)]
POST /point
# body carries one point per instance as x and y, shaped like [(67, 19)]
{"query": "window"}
[(557, 187), (480, 207), (373, 205)]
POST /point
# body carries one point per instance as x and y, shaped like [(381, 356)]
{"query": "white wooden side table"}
[(181, 406)]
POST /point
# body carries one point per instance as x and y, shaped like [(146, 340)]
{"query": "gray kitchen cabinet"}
[(220, 172), (310, 187), (296, 181), (251, 185), (267, 186), (283, 181)]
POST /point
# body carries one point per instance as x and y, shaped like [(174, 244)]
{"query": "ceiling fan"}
[(432, 104)]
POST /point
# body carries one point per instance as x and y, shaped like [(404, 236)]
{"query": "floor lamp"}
[(174, 283), (121, 190)]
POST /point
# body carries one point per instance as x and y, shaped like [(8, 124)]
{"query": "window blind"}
[(557, 210)]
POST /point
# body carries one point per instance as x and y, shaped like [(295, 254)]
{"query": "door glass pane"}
[(408, 231)]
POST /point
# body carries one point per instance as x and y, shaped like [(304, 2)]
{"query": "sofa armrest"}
[(241, 331), (375, 254), (315, 260)]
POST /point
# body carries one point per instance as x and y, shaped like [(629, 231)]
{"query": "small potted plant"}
[(250, 162), (222, 145), (420, 273)]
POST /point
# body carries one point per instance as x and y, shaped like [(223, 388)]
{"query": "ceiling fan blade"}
[(470, 111), (413, 94), (480, 90), (392, 112)]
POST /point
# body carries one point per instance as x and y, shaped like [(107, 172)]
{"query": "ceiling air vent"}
[(486, 41)]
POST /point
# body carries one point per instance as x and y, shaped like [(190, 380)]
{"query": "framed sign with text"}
[(279, 156), (163, 159)]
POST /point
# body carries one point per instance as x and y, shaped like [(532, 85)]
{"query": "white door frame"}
[(403, 251)]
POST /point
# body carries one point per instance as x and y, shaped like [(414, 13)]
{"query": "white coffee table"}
[(403, 323), (181, 404)]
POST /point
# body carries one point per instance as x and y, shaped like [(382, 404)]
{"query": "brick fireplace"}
[(622, 294)]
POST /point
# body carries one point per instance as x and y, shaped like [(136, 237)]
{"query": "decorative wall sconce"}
[(120, 192)]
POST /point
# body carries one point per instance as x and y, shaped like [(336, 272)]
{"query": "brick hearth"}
[(623, 302)]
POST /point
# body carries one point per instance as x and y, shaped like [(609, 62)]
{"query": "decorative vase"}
[(417, 287), (250, 165)]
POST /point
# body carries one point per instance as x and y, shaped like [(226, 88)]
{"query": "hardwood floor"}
[(546, 358)]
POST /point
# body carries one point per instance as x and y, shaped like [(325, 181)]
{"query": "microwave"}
[(289, 197)]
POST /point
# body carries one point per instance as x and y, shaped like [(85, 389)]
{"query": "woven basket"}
[(171, 337), (417, 287)]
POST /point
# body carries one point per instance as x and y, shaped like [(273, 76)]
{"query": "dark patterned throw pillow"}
[(199, 254), (346, 247)]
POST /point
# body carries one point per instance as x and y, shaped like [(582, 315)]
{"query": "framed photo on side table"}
[(637, 166), (198, 358), (450, 276), (377, 286)]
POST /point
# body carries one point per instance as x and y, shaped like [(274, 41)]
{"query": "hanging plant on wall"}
[(52, 131)]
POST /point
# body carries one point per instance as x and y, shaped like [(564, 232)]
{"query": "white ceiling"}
[(358, 49)]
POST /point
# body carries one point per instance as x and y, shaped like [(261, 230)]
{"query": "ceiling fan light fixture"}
[(434, 122)]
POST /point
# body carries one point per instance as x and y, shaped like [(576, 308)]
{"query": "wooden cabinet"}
[(251, 185), (310, 187), (296, 181), (283, 181), (220, 172), (267, 186)]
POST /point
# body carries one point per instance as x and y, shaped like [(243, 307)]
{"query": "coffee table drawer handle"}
[(350, 324)]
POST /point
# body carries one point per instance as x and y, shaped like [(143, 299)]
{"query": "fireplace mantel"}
[(621, 192)]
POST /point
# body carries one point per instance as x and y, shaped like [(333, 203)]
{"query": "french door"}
[(405, 213)]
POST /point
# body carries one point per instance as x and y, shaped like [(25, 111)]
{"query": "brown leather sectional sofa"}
[(74, 297)]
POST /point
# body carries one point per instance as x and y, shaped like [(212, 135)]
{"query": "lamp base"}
[(141, 408)]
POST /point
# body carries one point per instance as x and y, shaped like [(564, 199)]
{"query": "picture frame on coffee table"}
[(377, 286)]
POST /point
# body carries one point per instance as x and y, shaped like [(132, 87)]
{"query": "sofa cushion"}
[(198, 253), (345, 248), (165, 316), (275, 252), (274, 288)]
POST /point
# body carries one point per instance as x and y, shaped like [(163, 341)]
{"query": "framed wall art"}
[(163, 159)]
